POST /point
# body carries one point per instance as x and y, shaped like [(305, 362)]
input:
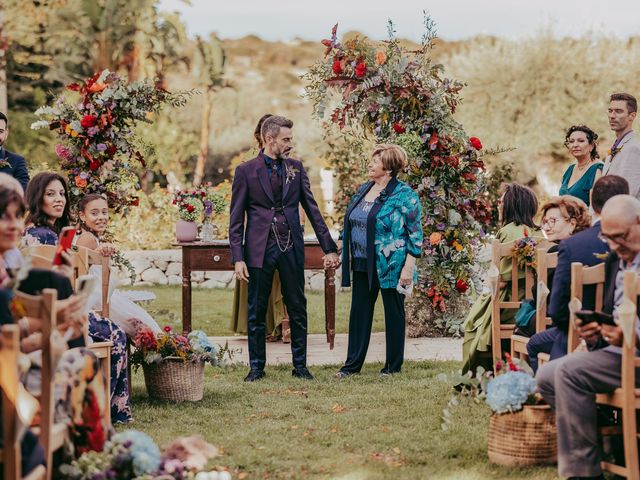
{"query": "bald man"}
[(569, 384)]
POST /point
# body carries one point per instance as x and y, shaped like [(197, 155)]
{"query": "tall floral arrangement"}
[(95, 121), (385, 93)]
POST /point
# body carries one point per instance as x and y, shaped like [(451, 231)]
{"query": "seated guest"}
[(47, 198), (78, 379), (579, 178), (12, 258), (561, 218), (586, 248), (93, 211), (570, 384), (516, 209)]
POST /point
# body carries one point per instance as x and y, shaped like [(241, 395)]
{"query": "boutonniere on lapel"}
[(614, 151), (601, 256), (383, 196), (4, 163), (289, 173)]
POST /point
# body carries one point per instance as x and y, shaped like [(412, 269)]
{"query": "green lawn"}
[(212, 310), (364, 427)]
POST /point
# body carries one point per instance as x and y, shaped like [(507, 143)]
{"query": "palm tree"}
[(209, 64)]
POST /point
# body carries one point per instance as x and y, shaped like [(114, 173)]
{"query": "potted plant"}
[(173, 364)]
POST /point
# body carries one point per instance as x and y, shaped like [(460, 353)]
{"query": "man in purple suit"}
[(268, 190)]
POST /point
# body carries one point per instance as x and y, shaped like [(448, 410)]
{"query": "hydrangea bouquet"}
[(511, 390)]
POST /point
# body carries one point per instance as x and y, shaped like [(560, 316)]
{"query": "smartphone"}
[(65, 242), (588, 316)]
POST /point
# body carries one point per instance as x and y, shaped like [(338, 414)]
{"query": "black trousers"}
[(363, 301), (292, 281)]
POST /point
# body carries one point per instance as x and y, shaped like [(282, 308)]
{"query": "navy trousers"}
[(292, 281), (552, 341), (363, 301)]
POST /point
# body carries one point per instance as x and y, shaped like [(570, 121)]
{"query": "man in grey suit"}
[(624, 157), (569, 384)]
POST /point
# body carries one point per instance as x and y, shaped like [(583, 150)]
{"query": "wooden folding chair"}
[(627, 397), (502, 253), (43, 307), (544, 262), (10, 454), (96, 258), (581, 277)]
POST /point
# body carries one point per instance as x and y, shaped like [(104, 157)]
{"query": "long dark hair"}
[(35, 196), (592, 138), (519, 205)]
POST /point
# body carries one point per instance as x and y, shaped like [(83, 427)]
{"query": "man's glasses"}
[(616, 238)]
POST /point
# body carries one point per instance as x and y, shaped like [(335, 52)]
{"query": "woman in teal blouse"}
[(579, 178), (382, 237)]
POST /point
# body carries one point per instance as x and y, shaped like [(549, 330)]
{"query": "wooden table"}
[(216, 256)]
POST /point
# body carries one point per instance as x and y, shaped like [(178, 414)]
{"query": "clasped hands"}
[(591, 331)]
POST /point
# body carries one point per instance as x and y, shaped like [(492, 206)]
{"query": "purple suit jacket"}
[(251, 193)]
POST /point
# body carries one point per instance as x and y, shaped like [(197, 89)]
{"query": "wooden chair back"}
[(582, 276), (502, 254), (79, 259), (43, 307), (12, 425), (544, 262), (627, 397), (96, 258)]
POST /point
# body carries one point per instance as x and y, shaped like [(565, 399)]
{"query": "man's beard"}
[(283, 155)]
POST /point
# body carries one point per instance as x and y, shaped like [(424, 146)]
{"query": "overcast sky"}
[(456, 19)]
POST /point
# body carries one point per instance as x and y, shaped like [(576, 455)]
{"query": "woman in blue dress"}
[(47, 198), (579, 178)]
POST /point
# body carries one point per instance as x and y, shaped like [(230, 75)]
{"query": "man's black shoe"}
[(302, 373), (254, 375)]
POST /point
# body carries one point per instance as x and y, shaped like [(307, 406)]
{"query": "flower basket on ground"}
[(521, 431), (173, 364), (527, 437)]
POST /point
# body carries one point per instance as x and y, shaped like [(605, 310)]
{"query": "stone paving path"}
[(319, 354)]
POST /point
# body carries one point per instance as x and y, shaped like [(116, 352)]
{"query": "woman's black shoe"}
[(254, 375), (302, 373)]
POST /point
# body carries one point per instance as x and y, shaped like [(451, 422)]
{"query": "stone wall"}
[(164, 267)]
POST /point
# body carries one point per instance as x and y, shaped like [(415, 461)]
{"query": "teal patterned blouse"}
[(398, 232), (583, 186)]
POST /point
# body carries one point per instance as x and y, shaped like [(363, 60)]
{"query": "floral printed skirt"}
[(104, 330)]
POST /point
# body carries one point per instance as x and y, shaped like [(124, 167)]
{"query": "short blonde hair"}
[(570, 207), (393, 157)]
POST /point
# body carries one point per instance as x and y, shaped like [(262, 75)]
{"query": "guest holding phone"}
[(47, 198), (78, 378)]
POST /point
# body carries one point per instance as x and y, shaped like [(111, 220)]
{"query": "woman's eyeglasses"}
[(551, 221)]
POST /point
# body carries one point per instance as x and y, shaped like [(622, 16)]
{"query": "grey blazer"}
[(626, 163)]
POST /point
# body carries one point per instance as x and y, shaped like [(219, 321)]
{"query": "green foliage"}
[(390, 94)]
